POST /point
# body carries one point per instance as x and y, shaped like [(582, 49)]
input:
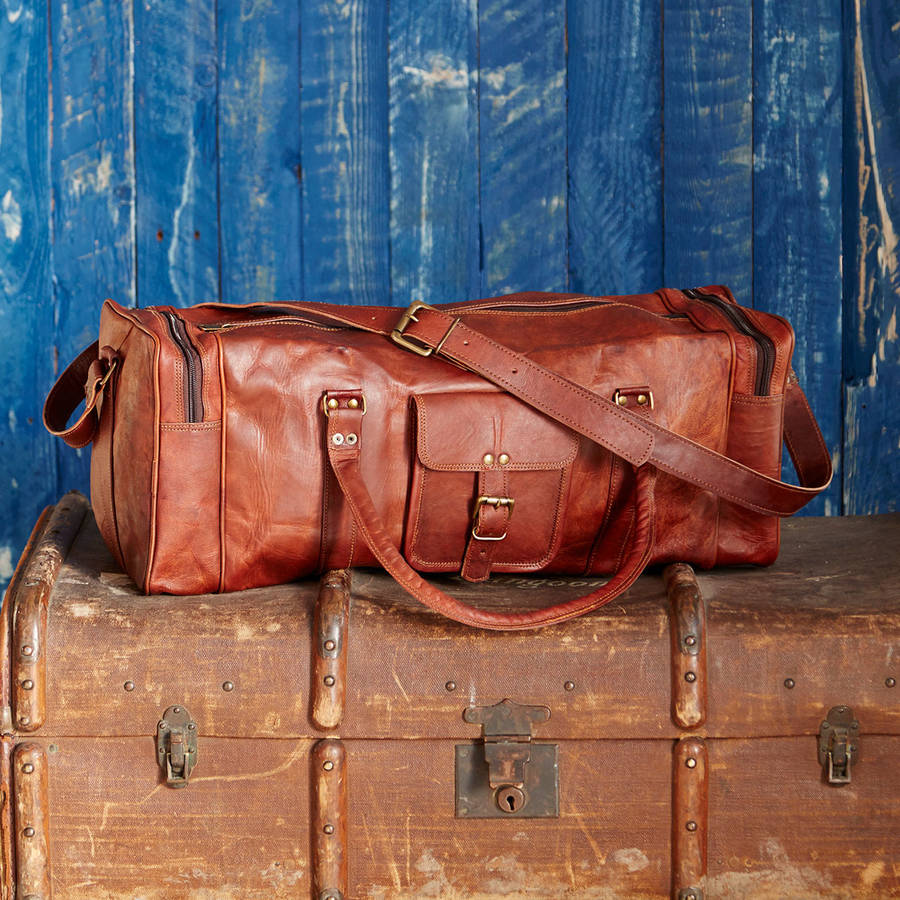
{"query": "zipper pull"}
[(210, 327)]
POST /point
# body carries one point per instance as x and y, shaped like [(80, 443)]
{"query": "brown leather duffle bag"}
[(240, 446)]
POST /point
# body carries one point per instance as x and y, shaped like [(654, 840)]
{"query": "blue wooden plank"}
[(522, 116), (707, 127), (175, 84), (434, 150), (259, 151), (872, 257), (614, 139), (92, 171), (28, 474), (346, 177), (797, 137)]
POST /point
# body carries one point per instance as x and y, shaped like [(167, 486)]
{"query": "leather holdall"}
[(237, 446)]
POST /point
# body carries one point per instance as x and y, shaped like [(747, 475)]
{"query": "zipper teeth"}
[(281, 320), (765, 344), (193, 405)]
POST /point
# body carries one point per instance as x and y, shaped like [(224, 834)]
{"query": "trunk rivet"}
[(27, 650), (330, 645), (227, 686), (691, 763), (450, 685), (328, 829), (569, 685), (27, 684), (328, 765), (129, 686), (890, 682), (28, 768), (690, 640), (690, 677), (25, 720), (329, 680), (789, 683), (28, 832), (691, 826)]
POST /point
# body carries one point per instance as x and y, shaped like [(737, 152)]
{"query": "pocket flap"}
[(456, 430)]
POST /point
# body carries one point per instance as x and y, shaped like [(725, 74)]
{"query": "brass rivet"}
[(691, 826), (329, 680), (569, 685), (176, 709), (129, 686), (353, 403), (890, 682), (503, 459), (690, 640), (330, 645), (27, 684), (642, 399), (332, 403), (690, 677), (28, 768), (622, 400), (450, 685), (789, 683), (328, 829), (328, 765), (28, 832), (227, 686), (691, 763), (488, 459), (25, 720), (27, 650), (351, 439)]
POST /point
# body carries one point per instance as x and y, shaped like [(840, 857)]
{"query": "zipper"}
[(765, 346), (283, 319), (193, 369)]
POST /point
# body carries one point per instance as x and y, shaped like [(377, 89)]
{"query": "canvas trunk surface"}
[(336, 740)]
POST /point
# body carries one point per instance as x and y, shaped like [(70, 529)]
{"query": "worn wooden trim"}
[(32, 825), (29, 613), (329, 820), (7, 864), (328, 691), (690, 818), (688, 633)]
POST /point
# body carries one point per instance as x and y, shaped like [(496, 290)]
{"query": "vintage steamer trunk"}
[(730, 734)]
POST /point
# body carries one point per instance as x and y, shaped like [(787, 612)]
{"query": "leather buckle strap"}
[(507, 503), (414, 344)]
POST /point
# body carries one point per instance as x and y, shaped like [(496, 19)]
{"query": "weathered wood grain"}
[(797, 197), (871, 257), (614, 138), (522, 141), (258, 151), (708, 145), (435, 248), (32, 820), (92, 172), (176, 160), (346, 176), (27, 358)]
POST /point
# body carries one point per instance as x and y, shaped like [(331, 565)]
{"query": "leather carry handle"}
[(344, 458)]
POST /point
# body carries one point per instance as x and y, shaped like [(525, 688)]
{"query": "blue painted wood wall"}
[(368, 151)]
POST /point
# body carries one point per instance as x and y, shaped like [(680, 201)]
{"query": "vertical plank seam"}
[(129, 7), (566, 125), (387, 156), (662, 141), (478, 198), (301, 225), (216, 127)]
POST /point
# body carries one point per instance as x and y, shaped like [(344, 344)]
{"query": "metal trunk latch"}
[(176, 745), (839, 744), (507, 774)]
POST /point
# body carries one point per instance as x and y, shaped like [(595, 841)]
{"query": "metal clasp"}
[(838, 744), (496, 502), (176, 745), (398, 337)]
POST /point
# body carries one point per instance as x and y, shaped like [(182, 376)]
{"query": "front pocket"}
[(467, 440)]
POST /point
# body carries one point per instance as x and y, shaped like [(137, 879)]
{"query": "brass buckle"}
[(398, 337), (496, 502), (112, 367)]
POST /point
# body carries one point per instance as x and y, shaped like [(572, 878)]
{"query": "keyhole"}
[(510, 799)]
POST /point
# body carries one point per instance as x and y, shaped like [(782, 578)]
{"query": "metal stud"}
[(328, 765), (690, 640), (351, 439), (691, 763), (450, 685), (337, 439), (28, 768), (329, 680), (691, 826), (690, 677), (25, 720), (488, 459), (129, 686), (27, 684), (622, 400), (28, 832), (330, 644), (890, 682), (642, 399), (353, 403), (328, 829), (503, 459), (176, 709), (789, 683), (228, 686), (27, 650), (569, 685), (332, 403)]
